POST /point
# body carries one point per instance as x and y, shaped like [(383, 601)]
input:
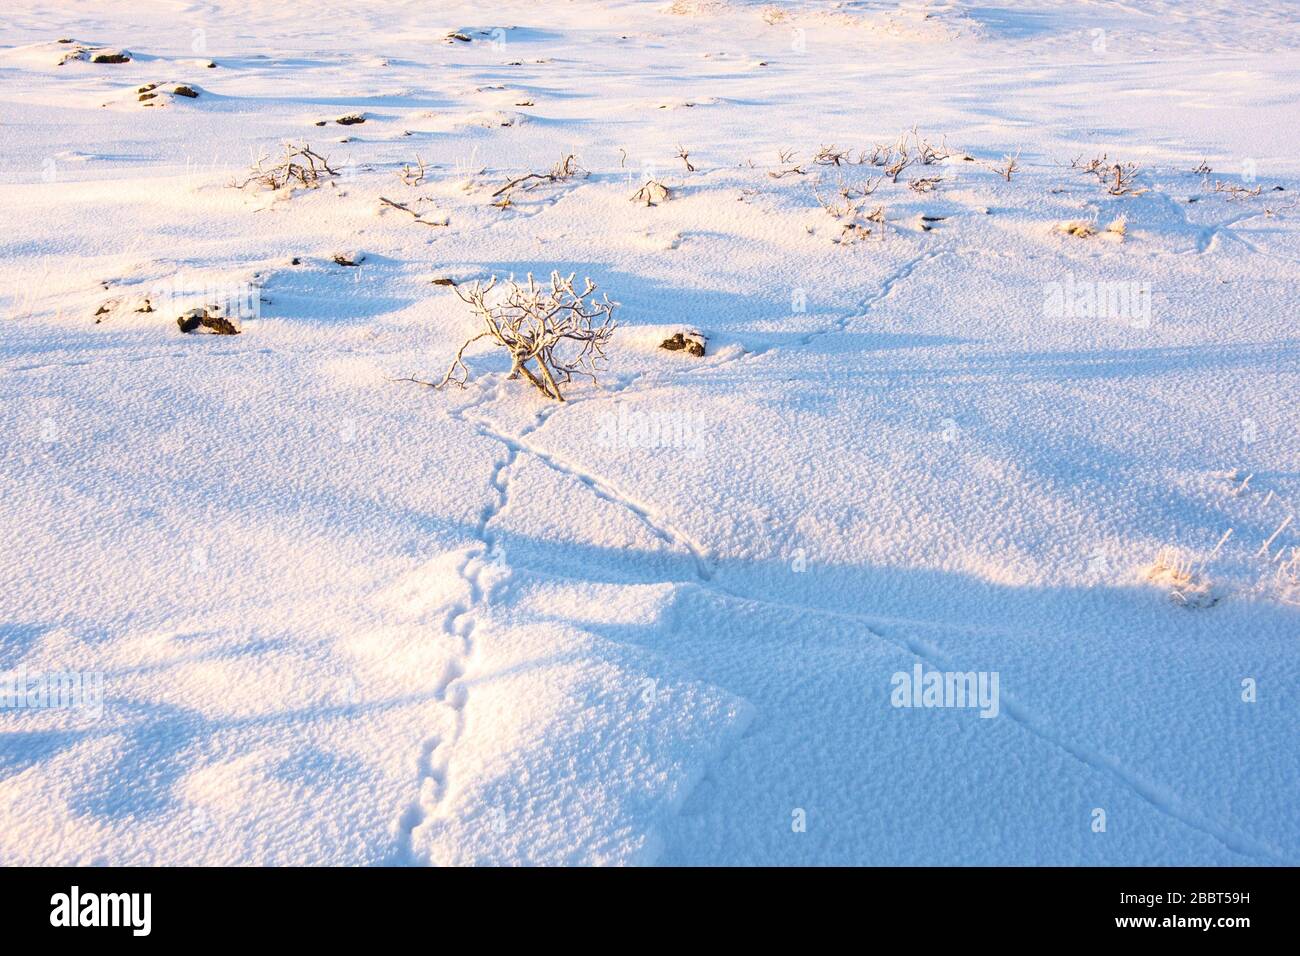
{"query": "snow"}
[(345, 619)]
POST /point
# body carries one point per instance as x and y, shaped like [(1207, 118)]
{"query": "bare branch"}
[(300, 165), (419, 217), (413, 175), (566, 169), (551, 333)]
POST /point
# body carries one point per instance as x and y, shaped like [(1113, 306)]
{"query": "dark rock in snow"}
[(195, 319), (692, 342)]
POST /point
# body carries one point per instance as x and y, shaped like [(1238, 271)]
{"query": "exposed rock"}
[(691, 341), (185, 91), (110, 56), (349, 258), (652, 193), (198, 318), (351, 119)]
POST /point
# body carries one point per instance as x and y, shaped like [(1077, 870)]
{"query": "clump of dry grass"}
[(1287, 576), (1187, 585), (1077, 228), (1117, 229)]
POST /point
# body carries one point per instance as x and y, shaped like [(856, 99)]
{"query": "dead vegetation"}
[(415, 214), (566, 169), (896, 165), (552, 333), (1119, 178), (850, 202), (1287, 576), (855, 227), (831, 156), (1082, 229), (1186, 583), (300, 165), (1009, 166), (413, 175), (910, 149), (1090, 165), (787, 166), (1236, 192)]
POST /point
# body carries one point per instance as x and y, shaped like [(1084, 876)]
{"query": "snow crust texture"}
[(1023, 410)]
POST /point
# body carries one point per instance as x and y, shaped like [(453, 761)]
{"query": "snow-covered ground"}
[(344, 619)]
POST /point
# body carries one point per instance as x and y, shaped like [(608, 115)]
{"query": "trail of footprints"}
[(484, 572)]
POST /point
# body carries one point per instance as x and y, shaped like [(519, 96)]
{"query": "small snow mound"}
[(490, 119)]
